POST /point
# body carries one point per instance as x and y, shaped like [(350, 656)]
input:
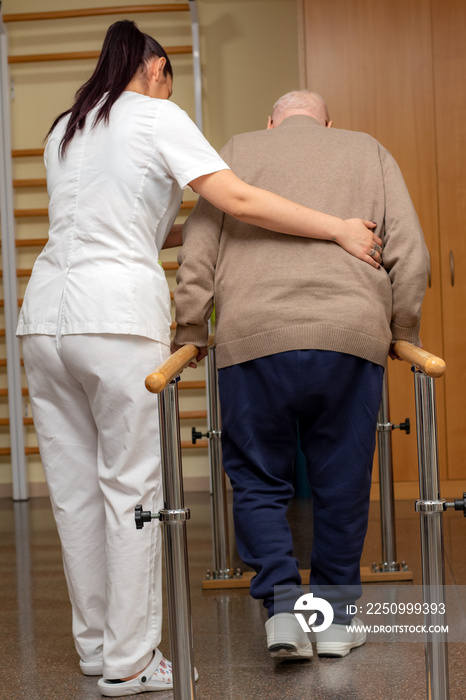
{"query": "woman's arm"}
[(253, 205)]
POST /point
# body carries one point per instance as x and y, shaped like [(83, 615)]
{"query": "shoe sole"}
[(89, 668), (289, 651), (335, 650), (116, 690)]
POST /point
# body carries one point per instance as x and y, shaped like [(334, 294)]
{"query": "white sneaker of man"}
[(338, 640), (285, 638)]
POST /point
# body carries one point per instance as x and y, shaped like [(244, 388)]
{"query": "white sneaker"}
[(338, 640), (286, 639)]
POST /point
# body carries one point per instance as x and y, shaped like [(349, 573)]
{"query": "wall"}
[(249, 54)]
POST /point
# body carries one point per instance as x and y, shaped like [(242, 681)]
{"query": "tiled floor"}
[(39, 661)]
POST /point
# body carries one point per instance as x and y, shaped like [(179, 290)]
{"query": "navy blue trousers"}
[(334, 398)]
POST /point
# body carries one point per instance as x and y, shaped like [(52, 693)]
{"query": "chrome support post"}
[(218, 481), (430, 507), (387, 500), (196, 63), (10, 294), (389, 561), (174, 516)]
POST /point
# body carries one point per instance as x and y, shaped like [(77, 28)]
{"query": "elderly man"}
[(303, 331)]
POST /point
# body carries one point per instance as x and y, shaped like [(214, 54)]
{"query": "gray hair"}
[(300, 102)]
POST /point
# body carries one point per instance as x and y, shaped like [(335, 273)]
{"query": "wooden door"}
[(449, 35), (372, 61)]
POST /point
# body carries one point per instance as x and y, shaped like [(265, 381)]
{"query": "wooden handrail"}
[(171, 368), (430, 364), (81, 55), (95, 12)]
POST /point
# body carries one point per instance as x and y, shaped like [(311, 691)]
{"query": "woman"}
[(96, 321)]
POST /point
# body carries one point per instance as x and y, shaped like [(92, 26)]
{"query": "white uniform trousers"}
[(98, 434)]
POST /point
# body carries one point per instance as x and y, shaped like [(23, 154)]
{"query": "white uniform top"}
[(113, 200)]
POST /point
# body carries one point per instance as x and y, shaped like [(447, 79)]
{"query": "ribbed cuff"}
[(195, 335), (409, 334)]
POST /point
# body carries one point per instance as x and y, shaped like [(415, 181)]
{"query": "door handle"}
[(452, 269)]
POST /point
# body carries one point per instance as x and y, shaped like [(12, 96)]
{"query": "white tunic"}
[(113, 200)]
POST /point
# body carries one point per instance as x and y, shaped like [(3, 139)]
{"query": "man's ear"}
[(270, 123)]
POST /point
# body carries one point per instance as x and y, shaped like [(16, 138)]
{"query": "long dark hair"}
[(125, 51)]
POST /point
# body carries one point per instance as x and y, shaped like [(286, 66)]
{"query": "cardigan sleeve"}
[(194, 293), (405, 255)]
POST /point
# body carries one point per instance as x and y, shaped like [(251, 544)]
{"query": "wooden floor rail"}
[(430, 364)]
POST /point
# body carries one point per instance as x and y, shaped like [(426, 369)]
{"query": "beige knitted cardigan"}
[(274, 293)]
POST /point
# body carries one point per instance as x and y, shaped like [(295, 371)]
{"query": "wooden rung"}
[(2, 304), (25, 213), (194, 384), (27, 242), (182, 386), (26, 152), (95, 12), (189, 204), (27, 272), (22, 213), (81, 55), (184, 415), (193, 415), (185, 445), (37, 182), (5, 422), (19, 273), (188, 445), (5, 451), (4, 392)]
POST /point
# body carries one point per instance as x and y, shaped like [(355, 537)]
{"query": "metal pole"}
[(431, 507), (196, 63), (174, 516), (387, 500), (218, 482), (15, 400), (221, 553)]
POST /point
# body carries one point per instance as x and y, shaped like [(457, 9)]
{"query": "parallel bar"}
[(15, 404), (430, 364), (95, 12)]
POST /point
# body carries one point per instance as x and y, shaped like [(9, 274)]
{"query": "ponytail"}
[(124, 51)]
